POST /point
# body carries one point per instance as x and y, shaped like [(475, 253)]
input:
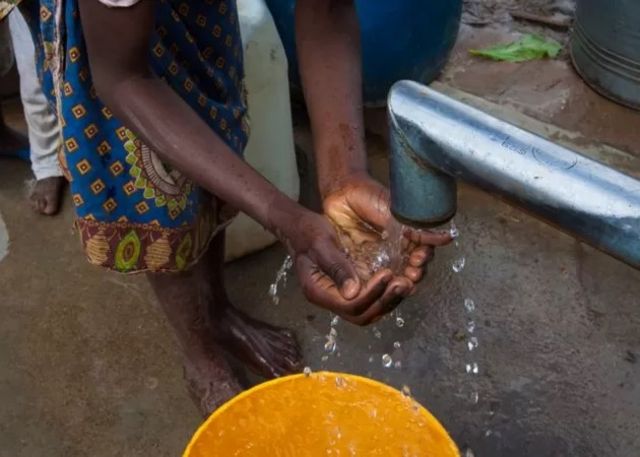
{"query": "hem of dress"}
[(110, 256)]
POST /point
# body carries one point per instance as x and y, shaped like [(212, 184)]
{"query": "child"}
[(150, 95)]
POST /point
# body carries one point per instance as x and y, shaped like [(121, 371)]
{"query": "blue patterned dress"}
[(133, 212)]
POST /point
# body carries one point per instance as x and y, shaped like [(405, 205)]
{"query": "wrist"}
[(283, 215), (331, 184)]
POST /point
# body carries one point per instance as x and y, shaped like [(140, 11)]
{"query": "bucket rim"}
[(432, 420)]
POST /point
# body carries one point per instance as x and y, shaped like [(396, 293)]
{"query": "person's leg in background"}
[(44, 131), (11, 142)]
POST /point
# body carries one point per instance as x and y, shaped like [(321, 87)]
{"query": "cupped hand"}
[(374, 239), (329, 278)]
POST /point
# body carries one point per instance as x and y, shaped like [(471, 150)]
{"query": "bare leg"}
[(206, 324), (184, 298), (267, 350)]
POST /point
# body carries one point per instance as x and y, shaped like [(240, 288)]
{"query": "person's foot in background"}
[(46, 195)]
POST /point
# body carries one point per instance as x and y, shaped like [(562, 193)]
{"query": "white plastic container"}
[(270, 149)]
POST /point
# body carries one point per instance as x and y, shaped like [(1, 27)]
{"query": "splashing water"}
[(331, 340), (281, 277), (472, 342), (387, 361), (453, 231), (472, 368), (469, 305), (458, 265), (376, 332), (397, 345), (471, 326), (331, 344), (307, 371)]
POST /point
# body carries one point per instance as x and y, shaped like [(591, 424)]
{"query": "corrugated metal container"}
[(605, 47)]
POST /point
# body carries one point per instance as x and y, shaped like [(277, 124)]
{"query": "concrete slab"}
[(88, 367)]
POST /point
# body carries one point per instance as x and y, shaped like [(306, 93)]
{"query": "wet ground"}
[(88, 366)]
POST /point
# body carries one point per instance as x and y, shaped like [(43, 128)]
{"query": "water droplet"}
[(471, 326), (467, 368), (469, 453), (472, 343), (458, 265), (307, 371), (281, 277), (397, 364), (335, 320), (488, 433), (371, 359), (399, 322), (406, 391), (397, 345), (475, 397), (453, 230), (474, 368), (469, 305), (377, 333), (324, 358), (330, 346), (387, 361)]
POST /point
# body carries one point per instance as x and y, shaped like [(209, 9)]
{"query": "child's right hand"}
[(328, 277)]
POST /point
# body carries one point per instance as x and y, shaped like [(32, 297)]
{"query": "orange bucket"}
[(321, 414)]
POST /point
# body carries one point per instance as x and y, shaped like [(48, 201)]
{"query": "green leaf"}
[(529, 47)]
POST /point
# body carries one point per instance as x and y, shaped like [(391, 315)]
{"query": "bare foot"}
[(210, 381), (45, 195), (11, 142), (268, 351)]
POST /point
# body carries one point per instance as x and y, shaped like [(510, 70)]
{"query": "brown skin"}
[(329, 36), (328, 44), (46, 195)]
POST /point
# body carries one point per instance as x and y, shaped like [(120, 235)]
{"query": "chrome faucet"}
[(436, 140)]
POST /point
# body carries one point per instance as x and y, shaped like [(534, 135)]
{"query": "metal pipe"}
[(436, 139)]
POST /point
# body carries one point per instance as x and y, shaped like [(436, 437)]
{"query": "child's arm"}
[(117, 42), (328, 45)]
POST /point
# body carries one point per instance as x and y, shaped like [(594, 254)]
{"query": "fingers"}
[(397, 290), (414, 274), (421, 256), (335, 264), (321, 290), (429, 237)]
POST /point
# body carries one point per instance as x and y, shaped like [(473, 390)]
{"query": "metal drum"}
[(605, 47)]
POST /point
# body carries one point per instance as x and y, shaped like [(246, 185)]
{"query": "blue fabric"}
[(118, 184)]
